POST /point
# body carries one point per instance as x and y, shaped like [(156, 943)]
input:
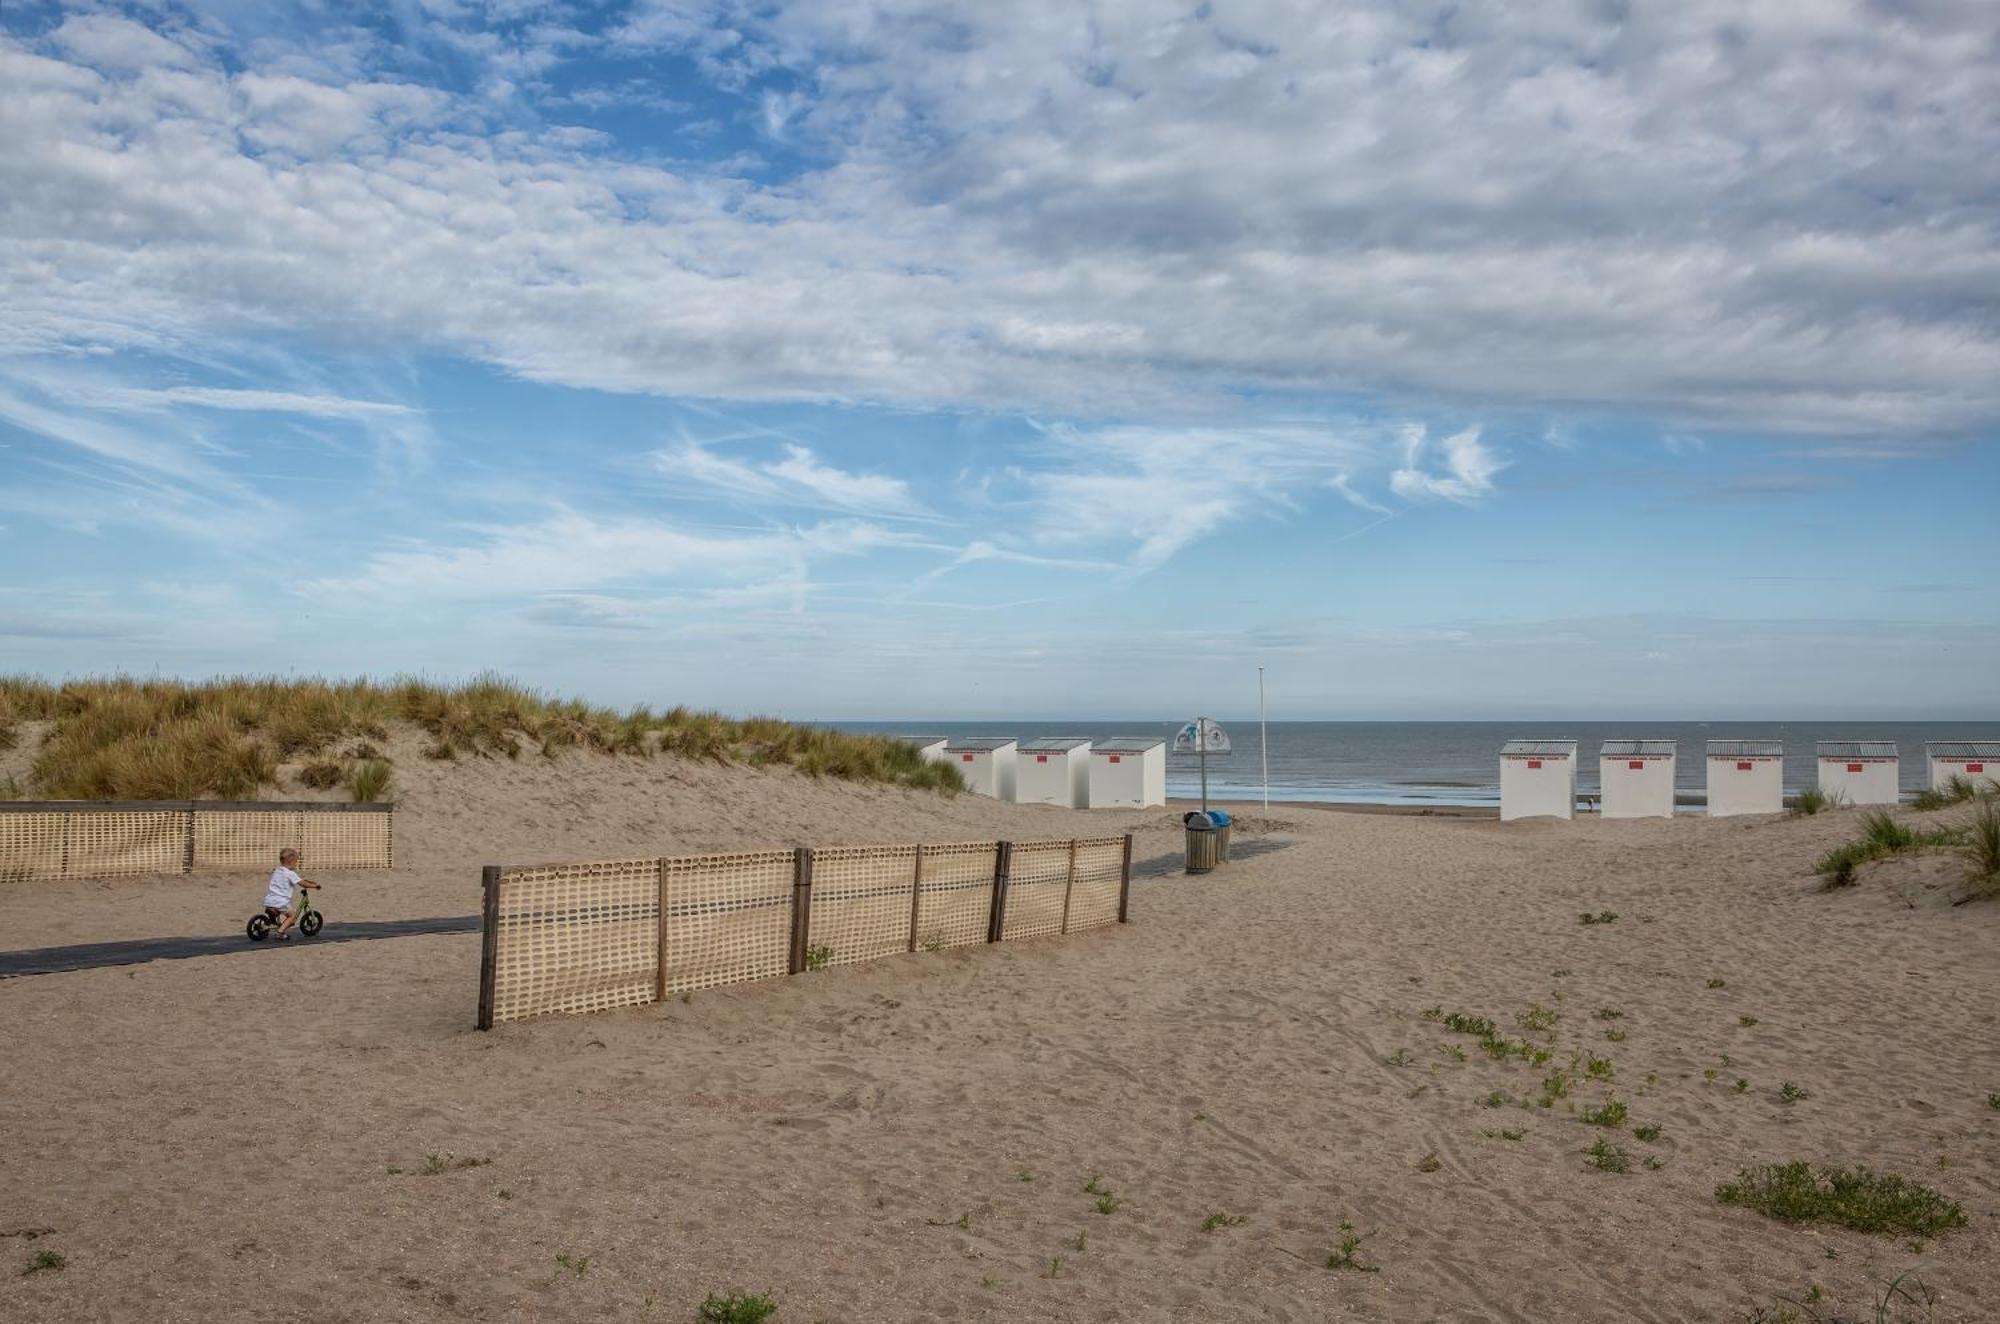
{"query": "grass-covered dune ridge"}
[(119, 738)]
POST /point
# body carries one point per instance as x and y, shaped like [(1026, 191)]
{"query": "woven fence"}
[(569, 938), (58, 839)]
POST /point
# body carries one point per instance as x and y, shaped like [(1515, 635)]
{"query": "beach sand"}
[(221, 1138)]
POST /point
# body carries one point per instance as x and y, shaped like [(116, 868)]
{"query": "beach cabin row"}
[(1124, 772), (1636, 777)]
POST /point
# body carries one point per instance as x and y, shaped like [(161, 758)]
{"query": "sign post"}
[(1202, 736)]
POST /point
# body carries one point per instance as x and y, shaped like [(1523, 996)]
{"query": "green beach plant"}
[(1856, 1198)]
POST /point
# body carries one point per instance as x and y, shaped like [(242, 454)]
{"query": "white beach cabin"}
[(1128, 772), (1538, 779), (1053, 771), (986, 763), (1978, 761), (930, 747), (1635, 778), (1745, 777), (1861, 772)]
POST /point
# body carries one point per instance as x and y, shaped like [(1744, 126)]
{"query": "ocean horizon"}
[(1454, 764)]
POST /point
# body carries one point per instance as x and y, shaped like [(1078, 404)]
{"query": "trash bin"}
[(1201, 843), (1222, 830)]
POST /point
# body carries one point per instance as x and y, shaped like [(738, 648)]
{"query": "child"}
[(278, 893)]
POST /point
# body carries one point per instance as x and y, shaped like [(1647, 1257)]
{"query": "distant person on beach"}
[(285, 882)]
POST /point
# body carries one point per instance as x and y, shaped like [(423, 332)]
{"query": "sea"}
[(1449, 763)]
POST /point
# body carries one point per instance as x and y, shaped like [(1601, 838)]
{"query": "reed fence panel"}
[(1098, 883), (1037, 885), (64, 839), (729, 918), (862, 903), (566, 938), (576, 937), (955, 898)]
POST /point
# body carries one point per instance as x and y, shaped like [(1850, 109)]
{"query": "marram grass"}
[(118, 738)]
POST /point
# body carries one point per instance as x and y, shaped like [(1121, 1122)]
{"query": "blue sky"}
[(1041, 360)]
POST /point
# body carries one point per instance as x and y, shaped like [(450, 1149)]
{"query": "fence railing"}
[(58, 839), (570, 938)]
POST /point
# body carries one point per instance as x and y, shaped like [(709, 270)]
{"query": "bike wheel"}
[(309, 923), (259, 928)]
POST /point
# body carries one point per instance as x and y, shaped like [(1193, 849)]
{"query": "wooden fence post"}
[(1125, 879), (916, 894), (489, 941), (1069, 885), (802, 887), (660, 952), (1003, 864)]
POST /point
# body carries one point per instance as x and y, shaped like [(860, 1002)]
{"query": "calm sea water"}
[(1452, 763)]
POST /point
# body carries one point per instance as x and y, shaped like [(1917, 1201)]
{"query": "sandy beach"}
[(247, 1137)]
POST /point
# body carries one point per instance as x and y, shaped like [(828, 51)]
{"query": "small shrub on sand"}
[(1460, 1023), (1648, 1133), (46, 1261), (369, 782), (1717, 983), (322, 775), (1346, 1256), (1851, 1197), (1537, 1018), (1607, 1157), (1214, 1221), (736, 1308), (1812, 800), (1792, 1093), (1601, 917), (1611, 1114), (819, 956)]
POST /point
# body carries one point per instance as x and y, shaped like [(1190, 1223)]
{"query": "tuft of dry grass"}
[(119, 738)]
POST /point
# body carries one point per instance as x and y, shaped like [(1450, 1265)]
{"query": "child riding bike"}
[(285, 882)]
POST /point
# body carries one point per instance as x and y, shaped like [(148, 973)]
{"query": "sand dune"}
[(911, 1139)]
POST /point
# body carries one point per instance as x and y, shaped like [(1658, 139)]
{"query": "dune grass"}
[(1881, 836), (1982, 849), (1812, 800), (1956, 791), (119, 738)]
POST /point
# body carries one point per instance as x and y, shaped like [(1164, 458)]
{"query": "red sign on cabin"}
[(1041, 758), (1637, 765), (1114, 758), (1975, 767), (1744, 766), (1854, 767), (966, 757), (1534, 763)]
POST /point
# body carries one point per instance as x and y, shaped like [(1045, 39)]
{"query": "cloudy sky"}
[(1049, 358)]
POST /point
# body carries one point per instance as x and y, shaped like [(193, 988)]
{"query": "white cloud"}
[(1468, 472), (799, 478), (1343, 484), (569, 552), (1118, 212)]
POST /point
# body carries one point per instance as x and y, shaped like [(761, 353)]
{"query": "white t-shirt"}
[(283, 882)]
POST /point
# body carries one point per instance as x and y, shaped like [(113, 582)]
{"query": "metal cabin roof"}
[(1625, 749), (1555, 747), (1051, 744), (1963, 749), (1745, 749), (970, 743), (1127, 744), (918, 740), (1857, 749)]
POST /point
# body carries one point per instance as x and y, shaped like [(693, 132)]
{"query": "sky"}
[(1050, 359)]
